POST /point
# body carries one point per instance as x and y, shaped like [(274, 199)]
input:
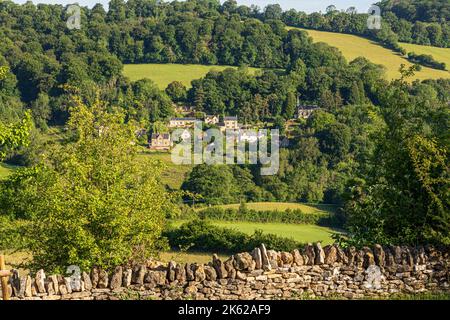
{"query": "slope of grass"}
[(281, 206), (173, 174), (299, 232), (439, 54), (6, 170), (353, 46), (163, 74)]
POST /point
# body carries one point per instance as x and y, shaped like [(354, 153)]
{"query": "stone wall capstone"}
[(312, 271)]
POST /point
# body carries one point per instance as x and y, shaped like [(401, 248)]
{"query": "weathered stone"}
[(102, 279), (34, 291), (28, 287), (397, 252), (359, 258), (274, 259), (180, 273), (40, 281), (341, 257), (298, 258), (67, 283), (330, 255), (14, 281), (243, 261), (171, 271), (351, 255), (199, 273), (63, 289), (126, 278), (155, 278), (319, 253), (286, 258), (368, 258), (407, 258), (264, 258), (241, 276), (190, 290), (139, 272), (219, 267), (94, 277), (190, 275), (54, 280), (309, 252), (116, 278), (210, 273), (23, 282), (379, 255), (229, 266), (419, 256), (49, 288), (256, 255), (389, 258)]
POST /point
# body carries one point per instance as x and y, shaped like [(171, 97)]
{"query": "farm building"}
[(182, 122), (160, 141), (211, 119), (304, 112)]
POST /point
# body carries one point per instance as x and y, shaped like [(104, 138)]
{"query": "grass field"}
[(353, 46), (299, 232), (173, 175), (281, 206), (6, 170), (439, 54), (163, 74)]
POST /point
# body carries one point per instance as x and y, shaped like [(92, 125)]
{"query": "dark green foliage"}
[(287, 216), (404, 197), (418, 21), (199, 235), (426, 60)]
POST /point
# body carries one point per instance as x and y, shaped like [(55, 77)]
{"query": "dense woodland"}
[(377, 149), (424, 22)]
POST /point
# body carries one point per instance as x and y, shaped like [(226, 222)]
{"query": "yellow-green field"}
[(300, 232), (439, 54), (163, 74), (173, 175), (280, 206), (353, 46), (6, 170)]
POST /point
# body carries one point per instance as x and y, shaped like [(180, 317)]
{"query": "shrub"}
[(287, 216), (200, 235), (426, 60)]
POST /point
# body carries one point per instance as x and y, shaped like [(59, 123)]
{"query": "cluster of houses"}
[(227, 123), (163, 141)]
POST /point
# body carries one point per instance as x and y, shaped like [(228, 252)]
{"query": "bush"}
[(200, 235), (287, 216), (11, 233), (426, 60)]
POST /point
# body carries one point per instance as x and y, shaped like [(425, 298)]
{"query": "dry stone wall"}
[(312, 271)]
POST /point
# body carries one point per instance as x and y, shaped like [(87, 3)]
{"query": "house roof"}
[(157, 135), (230, 118), (183, 119), (308, 107)]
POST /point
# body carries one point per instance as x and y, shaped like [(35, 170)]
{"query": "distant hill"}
[(163, 74), (354, 46)]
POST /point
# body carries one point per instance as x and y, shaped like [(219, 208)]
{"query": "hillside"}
[(281, 206), (439, 54), (163, 74), (354, 46)]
